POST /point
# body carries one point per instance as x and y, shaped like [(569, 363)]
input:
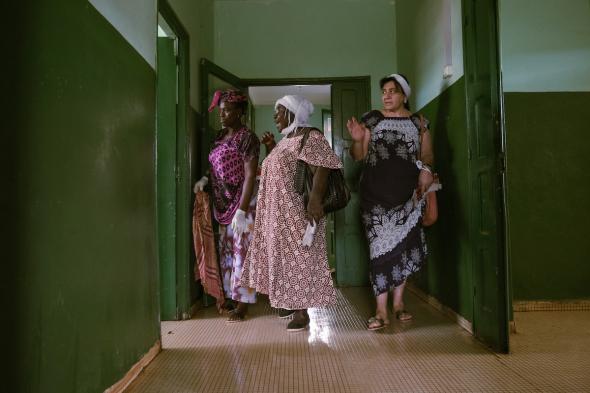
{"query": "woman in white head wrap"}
[(295, 276), (397, 149)]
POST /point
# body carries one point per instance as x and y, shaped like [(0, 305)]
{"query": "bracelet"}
[(423, 166)]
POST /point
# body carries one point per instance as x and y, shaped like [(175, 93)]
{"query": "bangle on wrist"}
[(423, 167)]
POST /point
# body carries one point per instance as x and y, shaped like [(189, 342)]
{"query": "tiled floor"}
[(551, 353)]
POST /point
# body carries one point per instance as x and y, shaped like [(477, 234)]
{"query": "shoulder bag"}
[(337, 192)]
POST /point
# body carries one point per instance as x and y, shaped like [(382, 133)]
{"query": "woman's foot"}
[(403, 315), (377, 323), (239, 313), (284, 313), (400, 313), (300, 321), (228, 306)]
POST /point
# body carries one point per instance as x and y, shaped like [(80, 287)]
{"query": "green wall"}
[(448, 272), (306, 38), (548, 188), (545, 45), (430, 36), (422, 54), (83, 251), (197, 17), (545, 53)]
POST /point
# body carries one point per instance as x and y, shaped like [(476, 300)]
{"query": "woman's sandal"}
[(236, 316), (403, 316), (375, 323)]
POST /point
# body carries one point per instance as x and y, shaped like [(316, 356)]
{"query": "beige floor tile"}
[(338, 354)]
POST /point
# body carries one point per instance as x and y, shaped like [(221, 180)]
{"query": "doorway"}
[(349, 96), (172, 166)]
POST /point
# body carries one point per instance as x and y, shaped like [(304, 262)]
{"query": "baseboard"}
[(447, 311), (137, 368), (550, 305)]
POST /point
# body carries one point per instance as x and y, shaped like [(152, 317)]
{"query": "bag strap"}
[(421, 126)]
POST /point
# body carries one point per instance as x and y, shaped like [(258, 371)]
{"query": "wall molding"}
[(550, 305), (447, 311), (137, 368)]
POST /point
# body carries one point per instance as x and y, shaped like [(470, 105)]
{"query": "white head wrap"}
[(300, 107), (403, 83)]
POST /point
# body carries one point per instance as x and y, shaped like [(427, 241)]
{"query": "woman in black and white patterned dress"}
[(393, 183)]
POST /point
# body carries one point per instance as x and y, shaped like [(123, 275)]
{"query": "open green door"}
[(349, 98), (486, 171), (166, 176)]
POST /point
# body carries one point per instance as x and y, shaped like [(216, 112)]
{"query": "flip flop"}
[(375, 323), (403, 316), (236, 317)]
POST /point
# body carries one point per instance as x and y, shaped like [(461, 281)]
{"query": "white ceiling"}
[(268, 95)]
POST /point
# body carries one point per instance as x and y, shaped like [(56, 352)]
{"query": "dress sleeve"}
[(371, 119), (249, 146), (317, 152)]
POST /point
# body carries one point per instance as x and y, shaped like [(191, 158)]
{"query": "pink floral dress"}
[(227, 160), (294, 276)]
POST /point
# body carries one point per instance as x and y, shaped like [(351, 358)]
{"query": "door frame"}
[(481, 51), (182, 168), (208, 67)]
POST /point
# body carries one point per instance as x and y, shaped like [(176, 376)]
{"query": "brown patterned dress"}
[(293, 276)]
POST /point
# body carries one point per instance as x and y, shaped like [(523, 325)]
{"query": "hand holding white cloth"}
[(200, 185), (308, 236), (239, 223)]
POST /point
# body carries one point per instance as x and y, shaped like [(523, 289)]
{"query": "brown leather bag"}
[(430, 214)]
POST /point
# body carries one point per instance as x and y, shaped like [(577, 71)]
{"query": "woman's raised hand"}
[(267, 138), (357, 130)]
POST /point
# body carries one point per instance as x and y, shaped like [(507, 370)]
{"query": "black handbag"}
[(337, 192)]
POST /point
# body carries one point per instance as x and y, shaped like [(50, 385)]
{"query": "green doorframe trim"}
[(183, 186), (487, 166), (306, 81)]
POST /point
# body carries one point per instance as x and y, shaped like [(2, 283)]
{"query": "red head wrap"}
[(227, 96)]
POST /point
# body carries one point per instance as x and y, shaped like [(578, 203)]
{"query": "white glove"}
[(308, 236), (201, 184), (239, 224)]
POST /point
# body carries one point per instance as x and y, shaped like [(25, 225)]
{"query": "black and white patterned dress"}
[(392, 218)]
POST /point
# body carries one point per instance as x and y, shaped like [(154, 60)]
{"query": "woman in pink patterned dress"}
[(295, 276), (234, 161)]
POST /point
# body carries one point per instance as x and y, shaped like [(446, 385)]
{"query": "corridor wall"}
[(545, 51), (83, 282), (306, 39), (429, 38)]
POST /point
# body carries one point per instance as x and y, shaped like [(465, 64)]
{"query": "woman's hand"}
[(267, 139), (357, 130), (200, 185), (425, 180), (315, 210)]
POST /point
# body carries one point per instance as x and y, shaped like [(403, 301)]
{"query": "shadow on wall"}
[(447, 273), (14, 119)]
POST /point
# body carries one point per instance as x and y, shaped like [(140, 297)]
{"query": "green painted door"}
[(486, 171), (349, 98), (166, 176)]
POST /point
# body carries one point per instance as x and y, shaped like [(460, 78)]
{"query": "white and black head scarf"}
[(300, 107)]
